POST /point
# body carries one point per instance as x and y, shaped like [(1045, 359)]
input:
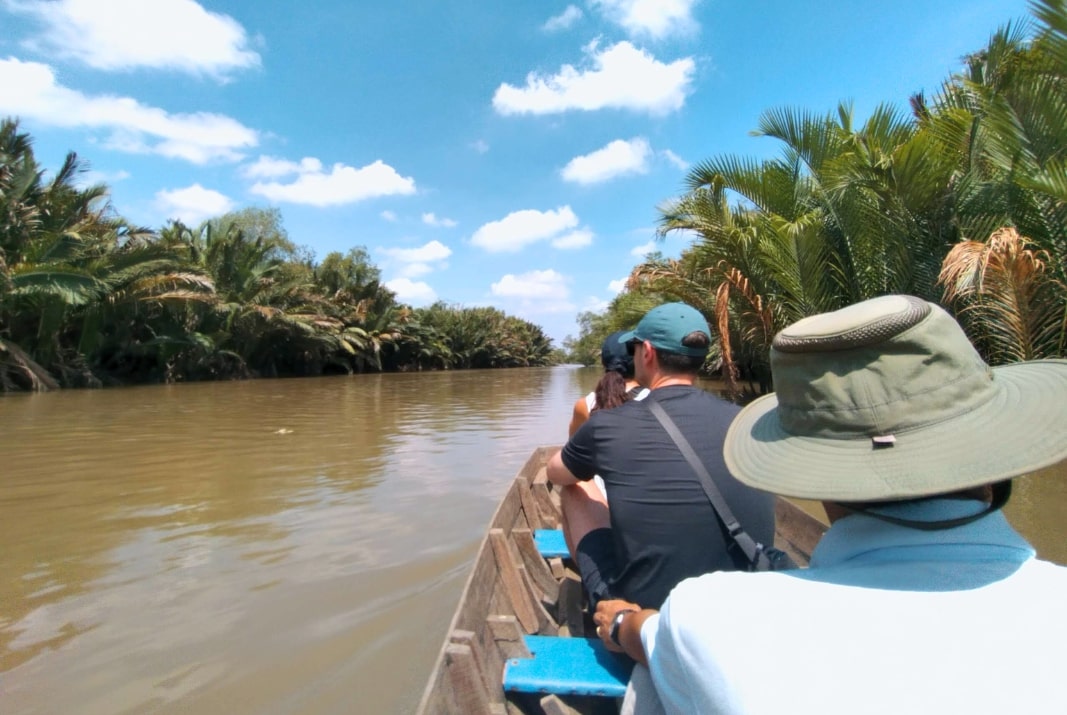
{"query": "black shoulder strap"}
[(753, 551)]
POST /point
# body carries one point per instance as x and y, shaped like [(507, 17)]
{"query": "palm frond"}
[(1002, 288)]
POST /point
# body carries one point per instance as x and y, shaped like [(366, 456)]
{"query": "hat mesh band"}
[(869, 334)]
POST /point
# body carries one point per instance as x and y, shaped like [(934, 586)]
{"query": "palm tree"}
[(832, 221), (69, 268), (1004, 293)]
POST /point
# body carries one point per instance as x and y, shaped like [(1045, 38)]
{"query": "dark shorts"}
[(596, 561)]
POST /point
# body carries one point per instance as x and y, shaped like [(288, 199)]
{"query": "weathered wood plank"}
[(550, 514), (571, 613), (552, 705), (512, 581), (536, 565), (438, 697), (508, 636), (467, 684), (529, 504), (535, 464), (476, 598), (490, 678), (546, 624), (797, 528), (510, 508)]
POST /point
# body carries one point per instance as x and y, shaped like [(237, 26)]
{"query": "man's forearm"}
[(629, 632), (557, 473)]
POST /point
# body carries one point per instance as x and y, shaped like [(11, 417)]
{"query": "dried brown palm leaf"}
[(757, 319), (1011, 305)]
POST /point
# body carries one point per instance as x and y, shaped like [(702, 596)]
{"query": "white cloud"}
[(520, 228), (414, 270), (536, 291), (533, 284), (650, 18), (389, 216), (481, 146), (564, 20), (93, 177), (30, 92), (414, 262), (621, 77), (596, 305), (342, 185), (644, 250), (193, 204), (431, 220), (675, 159), (414, 292), (617, 286), (432, 251), (123, 34), (270, 167), (574, 239), (616, 159)]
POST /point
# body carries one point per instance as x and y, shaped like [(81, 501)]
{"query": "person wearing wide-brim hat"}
[(920, 598)]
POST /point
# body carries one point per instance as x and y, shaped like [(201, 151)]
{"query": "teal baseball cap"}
[(665, 327)]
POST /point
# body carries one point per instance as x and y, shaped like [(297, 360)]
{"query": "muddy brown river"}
[(273, 546)]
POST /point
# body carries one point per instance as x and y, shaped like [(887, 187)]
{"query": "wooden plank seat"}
[(568, 666), (550, 543)]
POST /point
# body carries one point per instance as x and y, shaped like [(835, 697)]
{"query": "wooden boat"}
[(515, 592)]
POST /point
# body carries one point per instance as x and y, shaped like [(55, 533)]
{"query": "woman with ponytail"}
[(616, 386)]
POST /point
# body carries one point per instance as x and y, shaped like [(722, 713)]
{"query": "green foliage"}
[(480, 338), (963, 201), (86, 299), (850, 210)]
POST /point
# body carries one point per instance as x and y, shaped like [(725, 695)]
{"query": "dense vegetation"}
[(962, 201), (87, 299)]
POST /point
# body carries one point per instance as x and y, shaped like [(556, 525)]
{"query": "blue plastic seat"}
[(550, 543), (568, 666)]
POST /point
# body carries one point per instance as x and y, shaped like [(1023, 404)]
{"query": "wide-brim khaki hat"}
[(887, 399)]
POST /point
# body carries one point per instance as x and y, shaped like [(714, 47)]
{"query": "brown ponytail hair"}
[(610, 391)]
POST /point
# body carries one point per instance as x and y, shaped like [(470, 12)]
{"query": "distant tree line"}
[(86, 299), (962, 201)]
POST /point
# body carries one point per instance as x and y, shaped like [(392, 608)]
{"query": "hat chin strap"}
[(1001, 494)]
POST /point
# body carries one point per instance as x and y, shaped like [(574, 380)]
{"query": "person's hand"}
[(605, 614)]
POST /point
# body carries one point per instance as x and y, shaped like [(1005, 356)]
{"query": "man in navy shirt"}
[(656, 526)]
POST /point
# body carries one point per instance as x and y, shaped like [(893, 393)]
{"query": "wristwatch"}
[(616, 622)]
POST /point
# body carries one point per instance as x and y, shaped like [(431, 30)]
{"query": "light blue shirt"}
[(888, 619), (860, 550)]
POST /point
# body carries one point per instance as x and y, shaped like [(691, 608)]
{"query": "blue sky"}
[(485, 153)]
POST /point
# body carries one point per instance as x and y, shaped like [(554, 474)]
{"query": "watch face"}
[(613, 633)]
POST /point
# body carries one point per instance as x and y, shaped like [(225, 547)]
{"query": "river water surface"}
[(272, 546)]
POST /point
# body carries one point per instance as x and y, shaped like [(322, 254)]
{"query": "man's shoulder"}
[(627, 413), (697, 399), (1044, 575), (732, 591)]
